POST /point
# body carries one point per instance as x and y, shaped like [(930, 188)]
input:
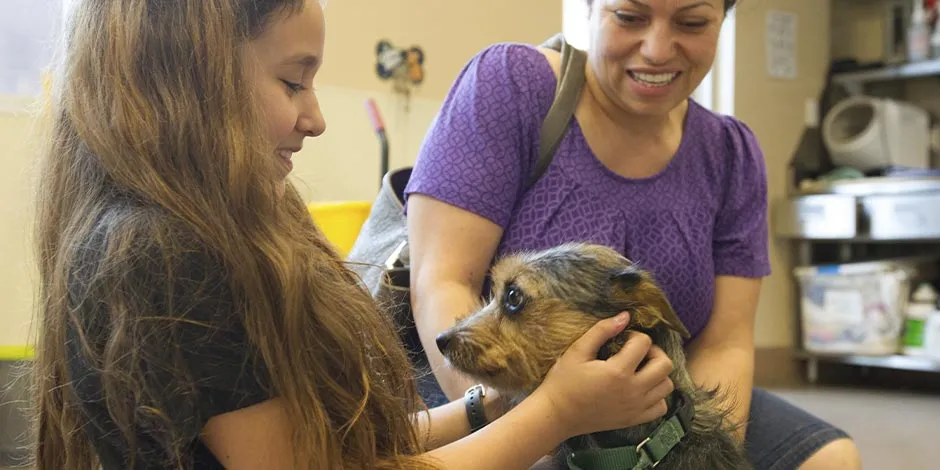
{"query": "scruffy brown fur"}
[(544, 301)]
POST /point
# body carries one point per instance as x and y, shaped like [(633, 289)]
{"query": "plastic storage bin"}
[(340, 221), (853, 308)]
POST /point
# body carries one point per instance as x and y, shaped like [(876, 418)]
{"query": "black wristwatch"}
[(473, 399)]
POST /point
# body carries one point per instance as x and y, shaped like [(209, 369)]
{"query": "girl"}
[(192, 316)]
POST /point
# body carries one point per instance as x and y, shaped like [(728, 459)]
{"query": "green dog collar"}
[(646, 454)]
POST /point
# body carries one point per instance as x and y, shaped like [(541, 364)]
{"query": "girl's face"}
[(285, 60), (650, 55)]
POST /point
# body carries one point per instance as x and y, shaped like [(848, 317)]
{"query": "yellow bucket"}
[(340, 221), (16, 353)]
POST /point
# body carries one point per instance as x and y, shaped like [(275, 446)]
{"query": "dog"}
[(542, 302)]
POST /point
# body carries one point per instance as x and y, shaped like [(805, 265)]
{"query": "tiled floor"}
[(892, 429)]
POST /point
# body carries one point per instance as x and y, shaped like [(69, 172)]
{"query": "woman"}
[(643, 169), (191, 314)]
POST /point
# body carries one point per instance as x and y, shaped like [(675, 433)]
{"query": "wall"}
[(342, 164), (857, 27), (16, 277), (774, 110)]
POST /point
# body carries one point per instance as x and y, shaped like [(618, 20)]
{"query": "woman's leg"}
[(840, 453), (781, 436)]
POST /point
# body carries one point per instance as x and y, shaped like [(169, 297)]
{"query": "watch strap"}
[(473, 399)]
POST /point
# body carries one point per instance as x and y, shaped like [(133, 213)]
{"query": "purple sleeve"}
[(740, 242), (478, 151)]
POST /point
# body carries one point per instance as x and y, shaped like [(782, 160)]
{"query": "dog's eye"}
[(513, 299)]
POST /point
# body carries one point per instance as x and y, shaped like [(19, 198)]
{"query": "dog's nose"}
[(443, 340)]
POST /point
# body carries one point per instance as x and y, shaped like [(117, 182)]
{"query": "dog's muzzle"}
[(444, 340)]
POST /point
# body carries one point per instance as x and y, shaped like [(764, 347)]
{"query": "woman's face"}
[(650, 55), (285, 60)]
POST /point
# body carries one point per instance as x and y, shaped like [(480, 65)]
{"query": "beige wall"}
[(16, 277), (857, 28), (344, 163), (348, 79), (448, 38), (774, 110)]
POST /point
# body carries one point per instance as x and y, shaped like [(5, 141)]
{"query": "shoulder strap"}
[(567, 94)]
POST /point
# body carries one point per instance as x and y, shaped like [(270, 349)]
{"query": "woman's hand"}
[(590, 395)]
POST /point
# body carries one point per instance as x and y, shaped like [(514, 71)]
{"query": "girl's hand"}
[(590, 395)]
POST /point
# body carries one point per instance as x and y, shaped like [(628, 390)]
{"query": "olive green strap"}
[(646, 455), (567, 95)]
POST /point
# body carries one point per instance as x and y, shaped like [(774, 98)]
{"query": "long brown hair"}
[(150, 101)]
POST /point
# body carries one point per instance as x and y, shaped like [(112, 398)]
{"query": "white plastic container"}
[(855, 308), (870, 133)]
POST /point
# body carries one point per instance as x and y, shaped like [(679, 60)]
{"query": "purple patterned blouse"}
[(704, 215)]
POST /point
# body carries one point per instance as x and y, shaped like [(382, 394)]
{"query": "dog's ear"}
[(651, 305), (628, 278), (660, 311)]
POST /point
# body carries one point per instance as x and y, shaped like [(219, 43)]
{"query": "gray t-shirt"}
[(191, 352)]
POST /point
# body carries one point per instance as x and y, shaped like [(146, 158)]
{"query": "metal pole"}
[(379, 126)]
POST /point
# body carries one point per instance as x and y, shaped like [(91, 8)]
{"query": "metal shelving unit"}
[(896, 362), (873, 219), (854, 82)]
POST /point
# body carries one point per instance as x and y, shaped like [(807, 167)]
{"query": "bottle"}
[(922, 306), (918, 34), (932, 336)]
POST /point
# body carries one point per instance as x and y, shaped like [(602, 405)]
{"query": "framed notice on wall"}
[(780, 41)]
